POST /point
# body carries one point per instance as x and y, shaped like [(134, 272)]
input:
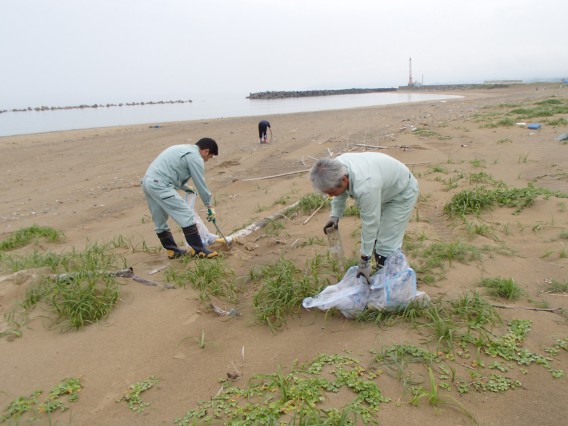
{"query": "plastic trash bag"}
[(393, 286), (349, 295), (206, 237)]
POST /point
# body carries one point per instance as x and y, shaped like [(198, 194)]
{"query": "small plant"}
[(132, 395), (24, 236), (523, 159), (557, 287), (69, 387), (284, 287), (294, 398), (310, 202), (210, 277), (423, 132), (476, 162), (435, 399), (201, 340), (502, 287), (480, 199)]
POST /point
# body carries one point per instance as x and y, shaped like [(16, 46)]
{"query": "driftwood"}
[(123, 273), (527, 309), (262, 223), (274, 176), (372, 146)]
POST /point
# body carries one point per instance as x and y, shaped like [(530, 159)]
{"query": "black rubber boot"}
[(194, 240), (168, 242), (380, 261)]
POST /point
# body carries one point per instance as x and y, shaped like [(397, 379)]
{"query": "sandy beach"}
[(86, 183)]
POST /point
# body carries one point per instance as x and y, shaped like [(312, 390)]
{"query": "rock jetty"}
[(308, 93), (54, 108)]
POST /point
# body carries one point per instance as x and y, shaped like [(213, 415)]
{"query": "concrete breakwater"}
[(308, 93), (54, 108)]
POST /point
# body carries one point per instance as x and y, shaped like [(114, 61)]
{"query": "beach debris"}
[(274, 176), (371, 146), (527, 308), (155, 271), (123, 273), (521, 124), (222, 313), (533, 126), (562, 137), (232, 376)]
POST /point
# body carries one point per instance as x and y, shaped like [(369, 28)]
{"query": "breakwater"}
[(85, 106), (310, 93)]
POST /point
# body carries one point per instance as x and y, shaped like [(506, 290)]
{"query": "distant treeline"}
[(307, 93), (54, 108)]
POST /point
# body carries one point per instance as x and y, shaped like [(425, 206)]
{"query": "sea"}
[(206, 106)]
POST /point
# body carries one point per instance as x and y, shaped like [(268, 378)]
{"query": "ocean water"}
[(202, 107)]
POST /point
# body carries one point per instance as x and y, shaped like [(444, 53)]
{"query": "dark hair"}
[(208, 143)]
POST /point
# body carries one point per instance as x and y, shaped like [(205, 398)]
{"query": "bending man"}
[(385, 192), (169, 172), (263, 127)]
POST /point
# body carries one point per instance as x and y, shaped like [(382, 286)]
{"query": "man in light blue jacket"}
[(169, 172), (385, 192)]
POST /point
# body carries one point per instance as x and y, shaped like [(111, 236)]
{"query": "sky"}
[(70, 52)]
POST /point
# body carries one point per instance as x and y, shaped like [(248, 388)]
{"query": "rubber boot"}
[(168, 242), (380, 261), (194, 240)]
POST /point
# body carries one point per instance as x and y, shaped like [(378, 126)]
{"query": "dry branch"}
[(262, 223), (372, 146), (527, 309), (274, 176)]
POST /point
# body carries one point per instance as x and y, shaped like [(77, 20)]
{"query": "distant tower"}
[(410, 82)]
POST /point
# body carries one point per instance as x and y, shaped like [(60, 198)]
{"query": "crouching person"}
[(169, 172), (385, 191)]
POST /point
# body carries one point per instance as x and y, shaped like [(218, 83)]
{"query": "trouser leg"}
[(394, 220)]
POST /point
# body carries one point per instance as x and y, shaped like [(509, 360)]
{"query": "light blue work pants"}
[(394, 219), (165, 202)]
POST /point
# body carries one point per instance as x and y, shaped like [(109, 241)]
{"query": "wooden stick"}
[(525, 308), (372, 146), (317, 210), (273, 176)]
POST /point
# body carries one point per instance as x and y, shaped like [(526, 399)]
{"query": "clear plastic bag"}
[(206, 237), (393, 286), (349, 295)]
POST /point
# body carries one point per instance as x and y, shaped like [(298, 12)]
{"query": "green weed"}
[(283, 288), (208, 276), (132, 395), (503, 287), (481, 199), (24, 236), (294, 398), (69, 388)]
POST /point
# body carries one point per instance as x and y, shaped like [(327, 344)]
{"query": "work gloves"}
[(211, 215), (365, 268), (331, 225)]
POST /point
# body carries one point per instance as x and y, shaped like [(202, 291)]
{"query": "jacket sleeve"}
[(197, 169), (338, 204)]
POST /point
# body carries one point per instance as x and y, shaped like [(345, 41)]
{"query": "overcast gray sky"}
[(66, 52)]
